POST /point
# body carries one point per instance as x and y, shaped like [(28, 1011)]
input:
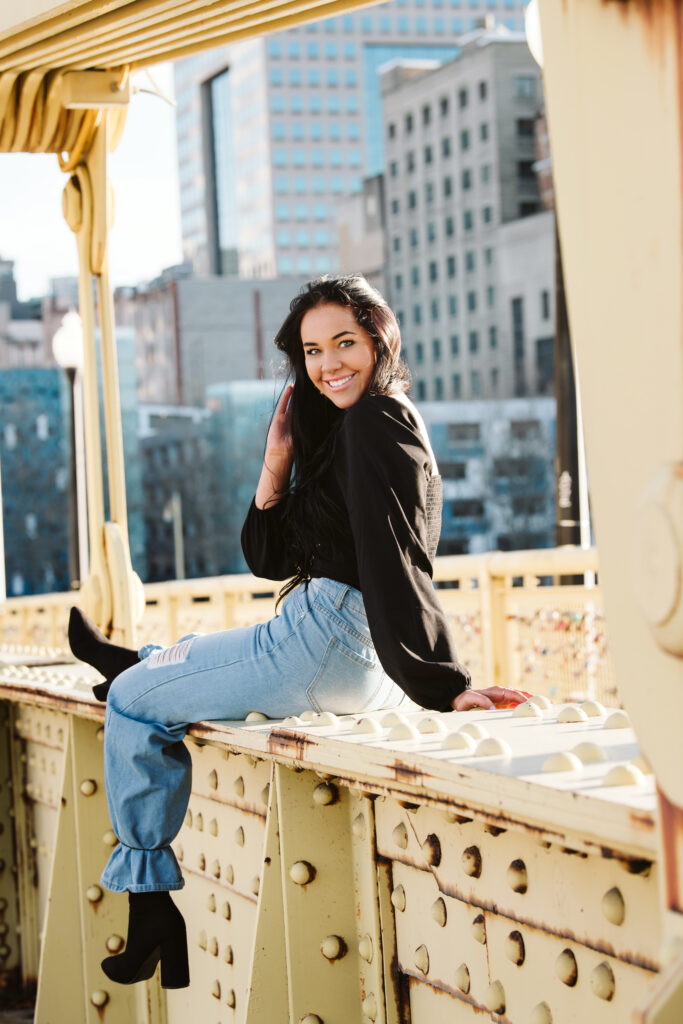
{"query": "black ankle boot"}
[(89, 644), (156, 931)]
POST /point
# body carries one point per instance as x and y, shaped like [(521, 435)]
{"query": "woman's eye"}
[(346, 341), (312, 351)]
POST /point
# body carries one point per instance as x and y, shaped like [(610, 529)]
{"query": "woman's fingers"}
[(284, 400), (501, 697), (472, 699)]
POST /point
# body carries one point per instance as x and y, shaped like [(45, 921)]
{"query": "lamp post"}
[(67, 347)]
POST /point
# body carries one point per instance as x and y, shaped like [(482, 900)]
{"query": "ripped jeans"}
[(316, 654)]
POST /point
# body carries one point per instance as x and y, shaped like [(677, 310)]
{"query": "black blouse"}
[(381, 476)]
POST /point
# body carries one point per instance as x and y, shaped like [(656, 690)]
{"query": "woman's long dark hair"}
[(313, 519)]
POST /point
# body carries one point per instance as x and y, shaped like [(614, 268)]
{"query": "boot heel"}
[(175, 968)]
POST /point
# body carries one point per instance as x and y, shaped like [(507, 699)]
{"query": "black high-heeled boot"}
[(156, 931), (89, 644)]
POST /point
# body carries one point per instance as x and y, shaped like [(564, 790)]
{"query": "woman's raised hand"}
[(492, 697), (279, 444)]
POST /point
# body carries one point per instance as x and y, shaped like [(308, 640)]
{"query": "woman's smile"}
[(339, 354)]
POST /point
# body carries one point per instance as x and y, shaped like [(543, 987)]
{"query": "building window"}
[(469, 261), (393, 169), (462, 98), (545, 304), (517, 307), (391, 130), (545, 366), (493, 337), (431, 231), (471, 302), (483, 90), (487, 214), (447, 185), (395, 206), (438, 389), (451, 266), (452, 305), (415, 276), (417, 314), (464, 139), (475, 383), (396, 244), (413, 238), (429, 192), (485, 173), (408, 122), (495, 376), (433, 270), (434, 309), (412, 200), (468, 220), (449, 227), (410, 161), (398, 282), (455, 345), (484, 131), (525, 128), (421, 391), (488, 257), (466, 180), (446, 146), (525, 87), (525, 430), (490, 296), (428, 154), (528, 209), (436, 349), (456, 385), (473, 341), (525, 169), (426, 114), (443, 106), (419, 352), (467, 508), (463, 432)]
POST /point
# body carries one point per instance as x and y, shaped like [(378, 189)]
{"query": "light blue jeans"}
[(316, 654)]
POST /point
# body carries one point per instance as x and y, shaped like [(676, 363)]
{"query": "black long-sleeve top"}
[(380, 476)]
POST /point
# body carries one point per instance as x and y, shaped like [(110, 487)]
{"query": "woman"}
[(348, 509)]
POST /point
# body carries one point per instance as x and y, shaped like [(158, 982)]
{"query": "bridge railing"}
[(532, 619)]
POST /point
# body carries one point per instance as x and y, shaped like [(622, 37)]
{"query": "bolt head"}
[(301, 872), (365, 948), (566, 968), (99, 998), (88, 787), (114, 944), (94, 893), (613, 907), (602, 981), (333, 947), (324, 794), (398, 898)]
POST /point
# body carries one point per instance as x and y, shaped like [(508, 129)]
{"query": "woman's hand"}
[(499, 697), (279, 445)]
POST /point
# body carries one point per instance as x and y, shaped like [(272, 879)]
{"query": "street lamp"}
[(67, 348)]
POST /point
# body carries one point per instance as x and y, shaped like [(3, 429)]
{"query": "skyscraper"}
[(272, 131)]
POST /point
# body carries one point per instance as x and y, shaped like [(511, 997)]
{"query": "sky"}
[(145, 237)]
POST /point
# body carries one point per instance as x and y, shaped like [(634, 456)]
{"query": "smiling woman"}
[(348, 511)]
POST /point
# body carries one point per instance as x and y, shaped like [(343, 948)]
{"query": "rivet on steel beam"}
[(494, 998), (494, 830), (566, 968), (602, 981), (213, 946), (239, 836), (617, 720), (229, 874), (228, 956), (4, 928), (226, 911), (367, 725), (544, 703), (517, 876), (5, 951), (589, 753), (88, 787), (231, 999), (493, 746), (109, 838), (431, 725), (624, 775), (216, 869), (541, 1014), (439, 912), (211, 903), (255, 885), (333, 947), (213, 779), (398, 898), (365, 949), (99, 998), (324, 794), (216, 989), (405, 731), (358, 826), (572, 713), (311, 1018), (369, 1006), (593, 708), (459, 741), (256, 716), (94, 893), (188, 818), (471, 861), (636, 866), (400, 836), (99, 734), (473, 729), (202, 941), (613, 906), (431, 850), (460, 819), (201, 863), (462, 978), (302, 872), (238, 786), (213, 827), (562, 761), (514, 948), (527, 710), (479, 929), (199, 822), (265, 793), (421, 959), (180, 853), (114, 943)]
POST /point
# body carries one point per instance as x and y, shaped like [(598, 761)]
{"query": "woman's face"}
[(339, 354)]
